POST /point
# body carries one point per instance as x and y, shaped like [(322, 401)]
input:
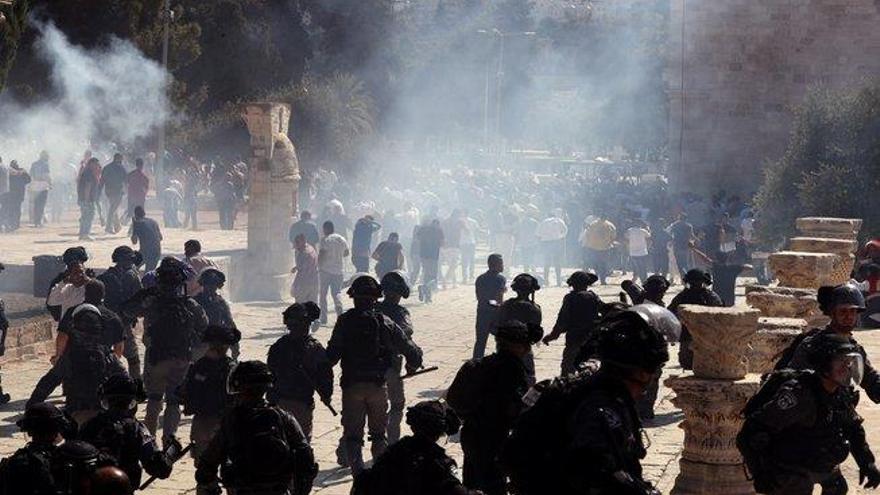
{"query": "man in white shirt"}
[(551, 234), (638, 238), (333, 250)]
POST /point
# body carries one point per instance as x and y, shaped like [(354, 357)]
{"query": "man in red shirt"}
[(138, 185)]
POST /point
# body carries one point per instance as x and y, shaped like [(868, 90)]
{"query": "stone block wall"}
[(29, 338), (745, 64)]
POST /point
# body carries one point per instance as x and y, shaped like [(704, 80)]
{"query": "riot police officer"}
[(416, 464), (801, 425), (29, 469), (365, 342), (300, 366), (524, 309), (577, 316), (4, 328), (203, 393), (171, 322), (394, 288), (654, 290), (842, 304), (211, 280), (263, 446), (121, 282), (696, 291), (592, 443), (117, 433), (487, 394)]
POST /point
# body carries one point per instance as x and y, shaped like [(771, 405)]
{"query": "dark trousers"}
[(682, 260), (599, 261), (661, 261), (482, 470), (430, 267), (49, 382), (86, 217), (12, 212), (113, 224), (640, 267), (802, 483), (486, 319), (40, 207), (151, 260), (227, 214), (361, 263)]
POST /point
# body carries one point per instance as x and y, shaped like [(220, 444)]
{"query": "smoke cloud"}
[(112, 94)]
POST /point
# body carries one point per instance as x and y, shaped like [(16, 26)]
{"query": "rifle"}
[(419, 372), (153, 478)]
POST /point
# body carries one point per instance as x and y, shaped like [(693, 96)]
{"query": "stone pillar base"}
[(696, 478)]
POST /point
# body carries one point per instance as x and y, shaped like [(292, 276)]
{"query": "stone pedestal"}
[(713, 398), (274, 181), (783, 302), (832, 228), (842, 248), (773, 337), (803, 270)]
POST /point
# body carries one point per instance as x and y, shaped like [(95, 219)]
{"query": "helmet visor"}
[(847, 370)]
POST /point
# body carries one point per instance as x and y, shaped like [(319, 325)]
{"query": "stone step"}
[(841, 247), (839, 228), (804, 270)]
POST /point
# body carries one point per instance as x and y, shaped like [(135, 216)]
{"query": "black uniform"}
[(492, 388), (800, 435), (605, 446), (413, 465), (127, 440), (89, 356), (301, 368), (396, 391), (119, 286), (29, 470), (266, 450), (577, 317), (218, 313), (528, 312), (701, 296), (4, 329), (795, 357), (203, 394)]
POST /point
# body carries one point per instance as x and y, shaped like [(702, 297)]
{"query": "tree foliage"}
[(12, 24), (831, 164)]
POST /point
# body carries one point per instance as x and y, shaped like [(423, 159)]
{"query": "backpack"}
[(532, 451), (260, 450), (170, 329), (465, 394)]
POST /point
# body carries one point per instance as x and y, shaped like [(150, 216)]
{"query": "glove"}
[(411, 369), (173, 449), (871, 474)]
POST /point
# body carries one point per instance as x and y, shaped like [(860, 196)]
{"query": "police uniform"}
[(203, 392), (120, 435), (4, 329), (394, 382), (528, 312), (693, 294), (493, 388), (261, 446), (218, 313), (577, 317), (365, 342), (119, 286), (29, 469), (803, 433), (171, 322)]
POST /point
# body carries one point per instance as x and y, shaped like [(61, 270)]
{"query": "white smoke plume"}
[(113, 94)]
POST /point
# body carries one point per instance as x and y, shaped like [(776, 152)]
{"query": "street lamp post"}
[(499, 83), (167, 15)]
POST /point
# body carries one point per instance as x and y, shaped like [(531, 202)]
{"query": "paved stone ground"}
[(444, 330)]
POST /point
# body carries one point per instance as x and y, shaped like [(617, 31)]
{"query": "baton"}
[(312, 384), (153, 478), (419, 372), (330, 407)]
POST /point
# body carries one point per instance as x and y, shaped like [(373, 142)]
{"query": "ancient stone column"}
[(274, 180), (803, 270), (712, 400), (773, 337)]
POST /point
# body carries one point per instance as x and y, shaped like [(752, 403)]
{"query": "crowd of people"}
[(111, 192)]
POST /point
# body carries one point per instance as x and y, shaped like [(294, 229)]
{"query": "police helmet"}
[(525, 282), (138, 259), (307, 311), (824, 348), (212, 277), (846, 295), (216, 334), (697, 277), (582, 278), (171, 272), (661, 319), (514, 332), (80, 452), (116, 389), (628, 339), (395, 282), (123, 253), (656, 283), (249, 374), (365, 286), (73, 255), (433, 418), (42, 417)]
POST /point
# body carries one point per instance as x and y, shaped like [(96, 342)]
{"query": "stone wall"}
[(29, 338), (747, 63)]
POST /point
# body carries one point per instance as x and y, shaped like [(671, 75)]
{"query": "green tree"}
[(13, 20), (830, 164)]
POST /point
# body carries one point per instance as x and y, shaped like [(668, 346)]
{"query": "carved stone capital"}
[(720, 339), (783, 302), (773, 337), (803, 270)]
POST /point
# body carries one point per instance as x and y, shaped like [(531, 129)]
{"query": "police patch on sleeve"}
[(786, 400)]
